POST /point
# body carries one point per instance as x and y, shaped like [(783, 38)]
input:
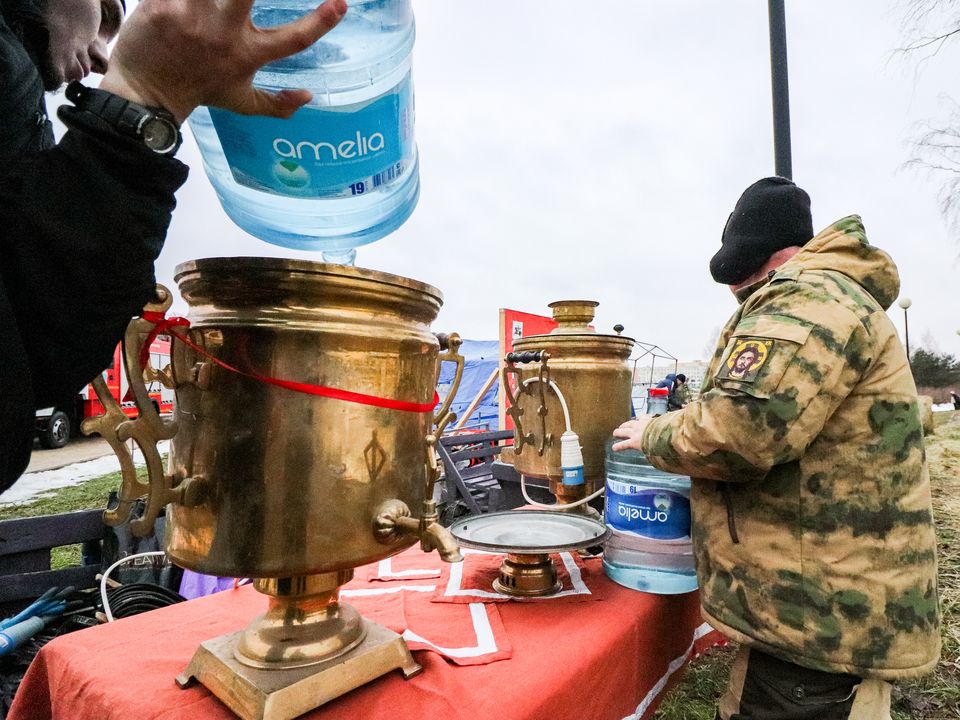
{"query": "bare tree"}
[(929, 26), (936, 150)]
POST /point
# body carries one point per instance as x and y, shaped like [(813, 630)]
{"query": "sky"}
[(594, 151)]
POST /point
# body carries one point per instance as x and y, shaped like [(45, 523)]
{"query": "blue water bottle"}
[(342, 171), (648, 513)]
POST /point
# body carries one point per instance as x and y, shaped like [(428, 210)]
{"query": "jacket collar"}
[(25, 18)]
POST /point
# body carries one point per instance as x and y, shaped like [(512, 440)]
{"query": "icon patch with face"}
[(746, 359)]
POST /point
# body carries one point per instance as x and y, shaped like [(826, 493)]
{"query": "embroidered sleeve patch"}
[(746, 359)]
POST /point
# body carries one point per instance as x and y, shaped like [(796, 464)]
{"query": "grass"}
[(935, 697), (87, 495), (704, 680)]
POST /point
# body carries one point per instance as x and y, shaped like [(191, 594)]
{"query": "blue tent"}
[(481, 359)]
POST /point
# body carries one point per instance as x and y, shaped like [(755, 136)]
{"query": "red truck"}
[(56, 425)]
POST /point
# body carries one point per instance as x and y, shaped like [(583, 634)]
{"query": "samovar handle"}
[(520, 438), (393, 520), (146, 430), (451, 345), (514, 410)]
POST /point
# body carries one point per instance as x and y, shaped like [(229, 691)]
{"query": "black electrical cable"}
[(134, 598), (125, 600)]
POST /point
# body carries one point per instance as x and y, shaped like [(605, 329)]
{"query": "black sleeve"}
[(80, 227), (16, 398)]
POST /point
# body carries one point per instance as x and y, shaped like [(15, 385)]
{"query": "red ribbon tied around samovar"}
[(162, 324)]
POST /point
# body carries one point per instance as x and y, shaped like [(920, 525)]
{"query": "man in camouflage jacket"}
[(810, 498)]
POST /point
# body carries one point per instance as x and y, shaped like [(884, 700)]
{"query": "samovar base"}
[(255, 694), (305, 624), (527, 575)]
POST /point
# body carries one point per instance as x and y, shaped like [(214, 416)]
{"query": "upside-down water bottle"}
[(342, 171)]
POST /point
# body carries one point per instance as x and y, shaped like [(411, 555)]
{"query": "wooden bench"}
[(467, 459), (511, 496), (486, 484), (25, 545)]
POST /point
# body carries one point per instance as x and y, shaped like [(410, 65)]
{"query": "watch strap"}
[(125, 115)]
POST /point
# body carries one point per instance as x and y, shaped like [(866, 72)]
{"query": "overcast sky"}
[(596, 153)]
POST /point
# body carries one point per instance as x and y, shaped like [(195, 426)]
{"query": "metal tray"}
[(529, 532)]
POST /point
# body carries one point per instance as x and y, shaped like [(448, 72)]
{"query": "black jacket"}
[(81, 223)]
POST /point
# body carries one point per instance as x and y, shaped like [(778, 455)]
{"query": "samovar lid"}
[(252, 290), (573, 331), (257, 267), (573, 316)]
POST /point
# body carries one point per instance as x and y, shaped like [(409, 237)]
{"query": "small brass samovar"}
[(589, 370), (269, 481)]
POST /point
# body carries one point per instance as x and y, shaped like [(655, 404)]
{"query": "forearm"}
[(83, 223), (701, 441)]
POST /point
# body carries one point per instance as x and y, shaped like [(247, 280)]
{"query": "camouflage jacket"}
[(812, 524)]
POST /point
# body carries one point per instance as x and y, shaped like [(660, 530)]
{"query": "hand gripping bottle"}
[(342, 171)]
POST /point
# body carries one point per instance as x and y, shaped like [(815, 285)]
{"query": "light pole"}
[(905, 303), (783, 162)]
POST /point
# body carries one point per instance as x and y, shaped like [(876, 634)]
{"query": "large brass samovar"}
[(267, 479), (590, 372)]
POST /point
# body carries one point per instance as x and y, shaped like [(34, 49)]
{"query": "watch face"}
[(159, 135)]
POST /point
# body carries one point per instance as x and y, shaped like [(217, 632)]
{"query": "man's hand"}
[(179, 54), (632, 432)]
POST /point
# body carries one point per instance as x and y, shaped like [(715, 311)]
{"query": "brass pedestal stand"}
[(527, 576), (306, 650)]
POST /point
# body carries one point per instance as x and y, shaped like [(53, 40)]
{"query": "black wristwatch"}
[(153, 126)]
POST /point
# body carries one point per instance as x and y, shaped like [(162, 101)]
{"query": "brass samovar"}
[(572, 378), (270, 477)]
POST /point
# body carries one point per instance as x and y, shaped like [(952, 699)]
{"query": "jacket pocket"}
[(777, 688)]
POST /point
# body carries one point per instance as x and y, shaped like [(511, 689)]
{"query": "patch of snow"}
[(33, 486), (943, 407)]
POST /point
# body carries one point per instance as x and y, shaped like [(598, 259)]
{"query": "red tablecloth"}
[(608, 660)]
